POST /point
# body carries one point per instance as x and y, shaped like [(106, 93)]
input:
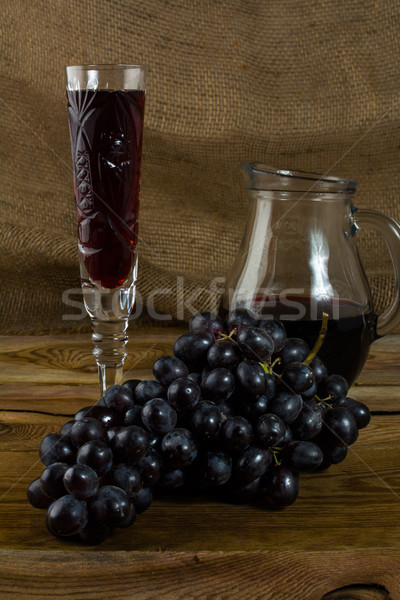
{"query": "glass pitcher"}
[(298, 258)]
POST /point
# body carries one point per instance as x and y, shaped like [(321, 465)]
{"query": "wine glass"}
[(105, 113)]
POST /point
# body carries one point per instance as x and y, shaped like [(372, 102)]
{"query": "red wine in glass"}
[(106, 128)]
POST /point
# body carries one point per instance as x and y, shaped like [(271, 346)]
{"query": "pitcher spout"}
[(258, 176)]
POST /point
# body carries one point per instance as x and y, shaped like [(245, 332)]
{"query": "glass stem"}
[(109, 339), (109, 375)]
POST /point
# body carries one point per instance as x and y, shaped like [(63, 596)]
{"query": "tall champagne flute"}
[(105, 113)]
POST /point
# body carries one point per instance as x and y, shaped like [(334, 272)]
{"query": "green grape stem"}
[(225, 336), (275, 451), (324, 400), (269, 367), (320, 339)]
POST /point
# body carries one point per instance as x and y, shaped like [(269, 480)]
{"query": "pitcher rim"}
[(106, 66), (319, 182)]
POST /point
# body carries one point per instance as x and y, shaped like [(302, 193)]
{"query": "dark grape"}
[(149, 389), (87, 430), (192, 348), (288, 436), (333, 455), (110, 505), (149, 467), (250, 378), (131, 384), (238, 319), (206, 421), (96, 455), (120, 398), (236, 433), (133, 416), (129, 444), (218, 384), (252, 463), (216, 468), (158, 416), (204, 373), (334, 386), (286, 404), (56, 448), (178, 447), (224, 353), (52, 480), (65, 429), (255, 343), (252, 408), (206, 322), (310, 393), (168, 368), (36, 496), (111, 432), (171, 479), (107, 416), (82, 412), (270, 385), (126, 477), (303, 456), (66, 516), (359, 410), (319, 369), (142, 499), (309, 422), (282, 487), (276, 330), (93, 533), (183, 394), (270, 430), (298, 377), (339, 427), (129, 519), (81, 481), (294, 350)]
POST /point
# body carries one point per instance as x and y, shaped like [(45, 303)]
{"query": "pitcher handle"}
[(389, 229)]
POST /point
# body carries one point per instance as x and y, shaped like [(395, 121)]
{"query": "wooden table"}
[(342, 534)]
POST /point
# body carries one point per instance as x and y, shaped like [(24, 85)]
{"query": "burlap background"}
[(306, 84)]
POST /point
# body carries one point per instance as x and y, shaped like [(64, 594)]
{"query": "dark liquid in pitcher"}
[(106, 140), (349, 336)]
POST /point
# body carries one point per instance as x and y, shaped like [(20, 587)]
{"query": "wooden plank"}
[(267, 575), (46, 369)]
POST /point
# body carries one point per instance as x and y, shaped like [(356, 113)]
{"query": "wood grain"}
[(267, 575), (339, 541)]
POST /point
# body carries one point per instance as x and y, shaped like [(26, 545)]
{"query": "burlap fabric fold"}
[(303, 84)]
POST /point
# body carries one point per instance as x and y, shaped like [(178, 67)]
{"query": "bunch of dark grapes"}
[(238, 406)]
